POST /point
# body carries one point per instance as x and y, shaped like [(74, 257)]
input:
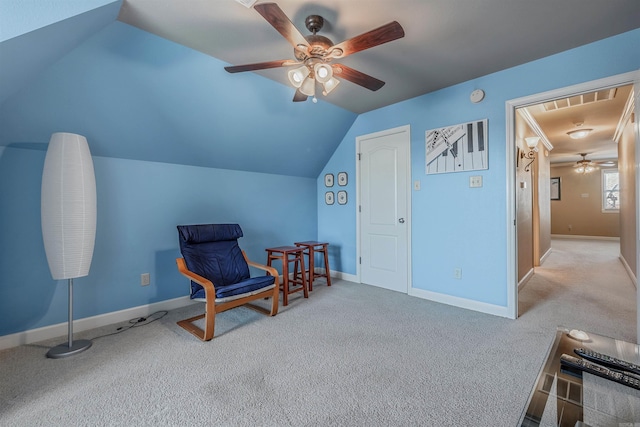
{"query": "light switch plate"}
[(145, 279)]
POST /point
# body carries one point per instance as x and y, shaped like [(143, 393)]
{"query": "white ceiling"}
[(600, 111), (446, 42)]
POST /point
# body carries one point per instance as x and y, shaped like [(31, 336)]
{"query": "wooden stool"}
[(310, 248), (289, 254)]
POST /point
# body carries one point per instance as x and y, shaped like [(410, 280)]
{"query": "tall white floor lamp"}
[(68, 214)]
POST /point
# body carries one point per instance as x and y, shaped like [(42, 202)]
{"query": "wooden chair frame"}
[(211, 307)]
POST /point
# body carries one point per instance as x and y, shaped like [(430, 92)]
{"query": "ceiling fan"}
[(314, 53), (585, 166)]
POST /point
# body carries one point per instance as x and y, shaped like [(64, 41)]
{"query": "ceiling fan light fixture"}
[(315, 52), (323, 72), (579, 133), (297, 76), (584, 166), (584, 169), (330, 85), (308, 87)]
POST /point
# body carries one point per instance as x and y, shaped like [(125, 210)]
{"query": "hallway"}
[(579, 282)]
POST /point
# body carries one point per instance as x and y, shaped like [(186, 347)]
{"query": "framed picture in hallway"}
[(555, 188)]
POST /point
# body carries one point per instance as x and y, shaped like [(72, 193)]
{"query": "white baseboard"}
[(525, 279), (468, 304), (343, 276), (578, 237), (61, 329), (465, 303), (629, 271), (544, 257)]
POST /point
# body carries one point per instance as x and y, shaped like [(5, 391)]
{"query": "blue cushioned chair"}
[(219, 274)]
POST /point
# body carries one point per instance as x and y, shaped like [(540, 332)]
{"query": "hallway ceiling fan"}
[(585, 166), (314, 54)]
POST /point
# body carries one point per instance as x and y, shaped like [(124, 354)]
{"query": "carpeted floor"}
[(350, 355)]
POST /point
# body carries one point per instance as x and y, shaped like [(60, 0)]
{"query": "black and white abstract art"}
[(457, 148)]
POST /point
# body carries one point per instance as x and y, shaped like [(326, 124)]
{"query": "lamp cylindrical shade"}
[(68, 206)]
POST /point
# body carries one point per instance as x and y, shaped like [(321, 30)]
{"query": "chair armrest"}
[(272, 271), (205, 283)]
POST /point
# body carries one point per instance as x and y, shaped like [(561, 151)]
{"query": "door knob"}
[(401, 220)]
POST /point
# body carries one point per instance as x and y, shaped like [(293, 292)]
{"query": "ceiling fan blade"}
[(260, 66), (355, 76), (278, 20), (299, 96), (386, 33)]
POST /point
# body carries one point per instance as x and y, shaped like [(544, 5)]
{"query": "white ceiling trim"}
[(626, 116), (533, 124)]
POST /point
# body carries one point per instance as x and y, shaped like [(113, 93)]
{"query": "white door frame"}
[(406, 129), (632, 77)]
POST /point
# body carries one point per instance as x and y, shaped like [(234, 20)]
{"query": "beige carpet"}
[(350, 355), (582, 283)]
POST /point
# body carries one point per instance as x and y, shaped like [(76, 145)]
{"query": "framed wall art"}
[(555, 188), (328, 197), (342, 179), (328, 180), (342, 197), (457, 148)]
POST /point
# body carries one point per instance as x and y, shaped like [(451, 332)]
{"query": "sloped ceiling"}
[(142, 93), (31, 42), (137, 96)]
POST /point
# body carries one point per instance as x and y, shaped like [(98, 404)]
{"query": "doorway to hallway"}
[(516, 182)]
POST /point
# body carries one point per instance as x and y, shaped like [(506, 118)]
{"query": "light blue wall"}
[(454, 225), (195, 113), (139, 205), (175, 140)]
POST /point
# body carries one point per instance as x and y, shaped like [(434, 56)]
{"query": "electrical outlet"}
[(475, 181), (457, 273), (416, 185), (145, 279)]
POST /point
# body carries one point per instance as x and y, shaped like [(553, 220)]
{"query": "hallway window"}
[(610, 190)]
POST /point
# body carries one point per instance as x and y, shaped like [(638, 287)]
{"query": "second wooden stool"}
[(312, 247), (288, 254)]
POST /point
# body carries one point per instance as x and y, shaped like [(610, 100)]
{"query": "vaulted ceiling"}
[(145, 80), (446, 41)]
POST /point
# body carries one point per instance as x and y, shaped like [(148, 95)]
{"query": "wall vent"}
[(585, 98)]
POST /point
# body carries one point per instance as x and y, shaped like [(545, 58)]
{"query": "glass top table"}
[(562, 398)]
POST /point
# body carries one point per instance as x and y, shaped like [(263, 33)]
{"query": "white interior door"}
[(384, 176)]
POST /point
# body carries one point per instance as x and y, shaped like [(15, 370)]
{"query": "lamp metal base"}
[(63, 350)]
